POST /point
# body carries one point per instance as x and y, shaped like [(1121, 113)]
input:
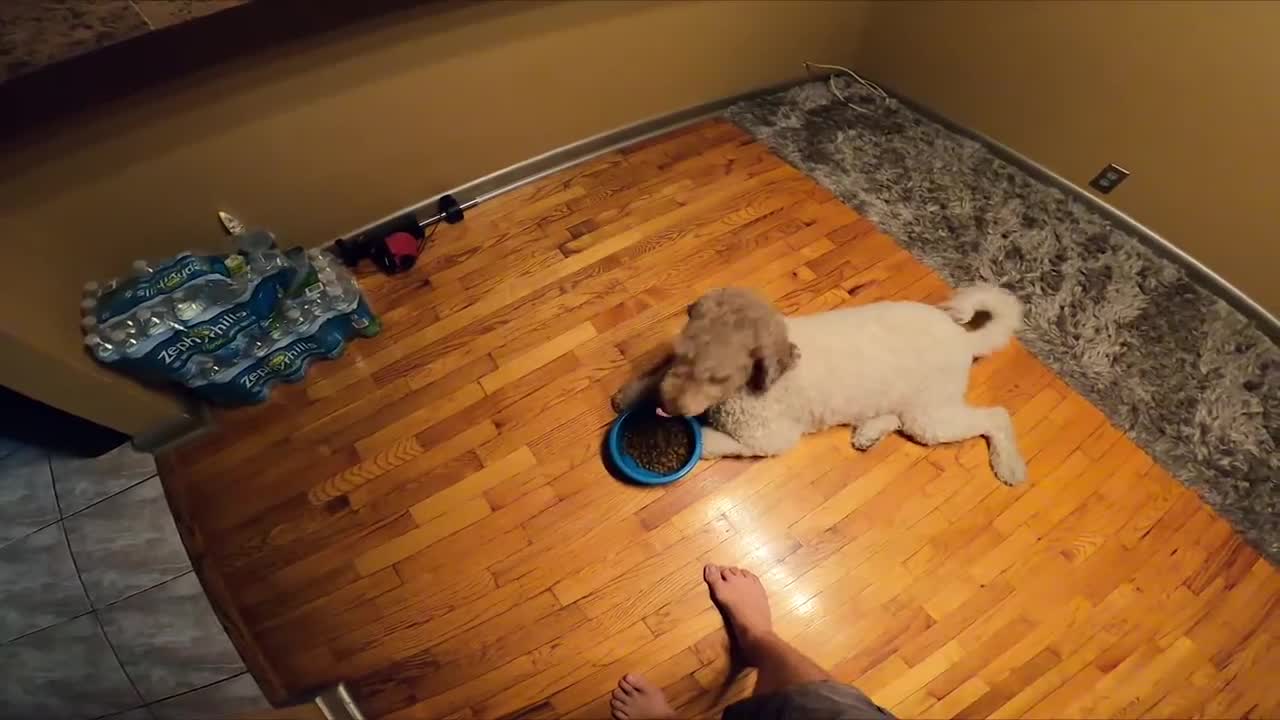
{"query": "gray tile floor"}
[(27, 502), (82, 482), (64, 671), (38, 583), (238, 694), (100, 613), (126, 543), (169, 639)]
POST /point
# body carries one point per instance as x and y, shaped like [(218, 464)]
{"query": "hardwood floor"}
[(428, 517)]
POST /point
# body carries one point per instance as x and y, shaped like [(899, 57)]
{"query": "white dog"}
[(763, 380)]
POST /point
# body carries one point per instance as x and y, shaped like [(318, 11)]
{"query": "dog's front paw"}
[(867, 436), (873, 430), (1009, 468), (618, 401), (863, 441)]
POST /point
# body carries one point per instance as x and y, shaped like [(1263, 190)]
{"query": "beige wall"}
[(320, 135), (1182, 94)]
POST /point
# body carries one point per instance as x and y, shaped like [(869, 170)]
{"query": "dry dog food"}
[(658, 444)]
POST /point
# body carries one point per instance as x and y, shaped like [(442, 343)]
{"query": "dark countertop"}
[(35, 33)]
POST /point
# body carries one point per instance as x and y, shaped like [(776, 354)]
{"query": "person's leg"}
[(788, 683), (742, 598)]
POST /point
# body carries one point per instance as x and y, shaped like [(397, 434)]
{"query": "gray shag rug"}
[(1186, 376)]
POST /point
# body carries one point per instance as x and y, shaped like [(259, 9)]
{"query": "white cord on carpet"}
[(831, 83)]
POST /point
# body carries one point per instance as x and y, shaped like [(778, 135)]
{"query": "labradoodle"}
[(763, 380)]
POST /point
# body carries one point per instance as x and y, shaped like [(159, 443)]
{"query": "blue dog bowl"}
[(632, 470)]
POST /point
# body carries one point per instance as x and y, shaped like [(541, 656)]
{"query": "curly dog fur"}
[(763, 380)]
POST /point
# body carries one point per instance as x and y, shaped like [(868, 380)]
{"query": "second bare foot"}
[(636, 698), (741, 595)]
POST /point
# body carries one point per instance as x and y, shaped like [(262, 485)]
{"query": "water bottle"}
[(213, 368), (294, 321), (191, 370), (269, 334), (341, 298), (142, 269), (265, 263), (92, 290), (101, 349), (123, 335), (232, 289), (89, 324), (235, 264), (89, 307), (156, 321), (188, 303), (201, 368), (164, 310), (255, 241), (222, 291), (275, 262), (312, 302), (258, 248), (320, 260)]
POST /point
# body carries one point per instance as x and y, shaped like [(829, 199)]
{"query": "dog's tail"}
[(992, 315)]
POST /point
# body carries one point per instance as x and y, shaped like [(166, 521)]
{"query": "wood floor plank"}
[(445, 524), (388, 404), (754, 189), (428, 518)]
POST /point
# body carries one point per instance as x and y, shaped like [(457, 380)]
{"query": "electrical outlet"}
[(1108, 178)]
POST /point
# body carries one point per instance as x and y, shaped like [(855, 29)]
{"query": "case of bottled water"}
[(227, 326)]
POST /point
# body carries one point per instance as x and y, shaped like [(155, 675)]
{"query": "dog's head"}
[(734, 340)]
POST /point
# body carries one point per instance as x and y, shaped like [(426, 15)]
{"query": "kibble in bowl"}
[(654, 450)]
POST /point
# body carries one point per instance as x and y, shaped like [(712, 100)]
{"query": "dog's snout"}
[(667, 407), (683, 406), (668, 403)]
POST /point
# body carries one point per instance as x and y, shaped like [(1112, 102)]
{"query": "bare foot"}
[(636, 698), (741, 596)]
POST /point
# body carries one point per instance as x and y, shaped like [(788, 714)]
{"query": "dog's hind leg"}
[(871, 431), (961, 422)]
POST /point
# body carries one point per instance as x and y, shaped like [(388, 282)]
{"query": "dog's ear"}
[(771, 362)]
